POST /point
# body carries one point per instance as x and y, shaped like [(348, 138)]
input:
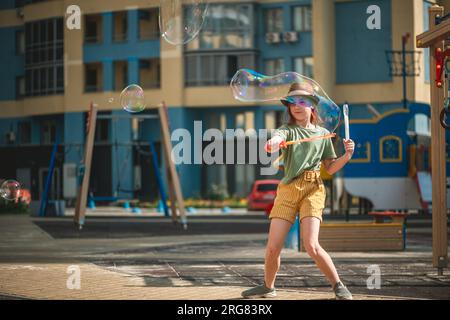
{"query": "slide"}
[(423, 181)]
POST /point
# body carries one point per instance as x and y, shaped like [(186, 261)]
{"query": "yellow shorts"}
[(305, 194)]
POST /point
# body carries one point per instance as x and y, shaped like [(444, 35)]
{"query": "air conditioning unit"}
[(19, 12), (273, 37), (69, 180), (290, 36)]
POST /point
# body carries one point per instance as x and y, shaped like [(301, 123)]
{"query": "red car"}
[(262, 195)]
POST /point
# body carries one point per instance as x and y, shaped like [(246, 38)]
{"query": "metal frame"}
[(403, 74), (175, 194)]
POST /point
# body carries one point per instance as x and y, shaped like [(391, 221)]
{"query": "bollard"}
[(191, 210), (136, 210), (226, 209), (91, 204), (160, 207)]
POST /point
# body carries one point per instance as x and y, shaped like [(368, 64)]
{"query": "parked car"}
[(262, 194)]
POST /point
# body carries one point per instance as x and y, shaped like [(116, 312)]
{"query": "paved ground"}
[(216, 258)]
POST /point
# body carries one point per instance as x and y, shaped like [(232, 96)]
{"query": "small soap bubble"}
[(132, 99), (10, 190)]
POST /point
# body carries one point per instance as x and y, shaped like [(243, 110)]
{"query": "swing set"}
[(173, 183)]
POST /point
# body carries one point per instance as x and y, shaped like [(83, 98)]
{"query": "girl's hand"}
[(349, 147), (274, 144)]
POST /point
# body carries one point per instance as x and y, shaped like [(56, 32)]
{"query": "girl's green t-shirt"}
[(304, 156)]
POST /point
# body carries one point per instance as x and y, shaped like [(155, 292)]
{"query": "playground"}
[(160, 180), (145, 258)]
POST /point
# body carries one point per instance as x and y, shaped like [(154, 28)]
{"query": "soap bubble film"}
[(250, 86), (10, 190), (181, 21), (132, 99)]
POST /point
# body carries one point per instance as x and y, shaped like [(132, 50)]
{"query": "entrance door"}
[(55, 188)]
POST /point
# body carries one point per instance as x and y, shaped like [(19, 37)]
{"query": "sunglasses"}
[(300, 102)]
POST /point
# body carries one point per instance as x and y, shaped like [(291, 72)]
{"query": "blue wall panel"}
[(13, 65), (7, 4), (131, 48), (122, 156), (74, 135), (360, 52)]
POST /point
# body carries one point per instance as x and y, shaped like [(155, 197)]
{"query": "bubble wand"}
[(326, 136), (347, 129), (288, 143)]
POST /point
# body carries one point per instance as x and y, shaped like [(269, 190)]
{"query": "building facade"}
[(51, 73)]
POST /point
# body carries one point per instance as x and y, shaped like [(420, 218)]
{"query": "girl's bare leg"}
[(310, 233), (279, 228)]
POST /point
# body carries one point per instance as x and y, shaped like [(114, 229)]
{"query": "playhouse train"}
[(391, 165)]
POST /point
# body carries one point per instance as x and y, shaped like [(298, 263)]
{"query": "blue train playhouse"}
[(391, 166)]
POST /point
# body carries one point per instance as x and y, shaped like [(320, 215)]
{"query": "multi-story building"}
[(51, 73)]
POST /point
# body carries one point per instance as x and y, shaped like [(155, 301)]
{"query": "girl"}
[(302, 189)]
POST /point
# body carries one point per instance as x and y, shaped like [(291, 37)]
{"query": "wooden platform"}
[(354, 236)]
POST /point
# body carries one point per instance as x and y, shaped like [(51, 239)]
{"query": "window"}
[(362, 153), (148, 24), (273, 20), (209, 69), (150, 73), (245, 121), (48, 132), (302, 18), (20, 87), (20, 42), (24, 132), (44, 65), (263, 187), (420, 125), (274, 66), (102, 130), (120, 20), (93, 28), (93, 77), (120, 75), (229, 26), (304, 66), (273, 119), (390, 149)]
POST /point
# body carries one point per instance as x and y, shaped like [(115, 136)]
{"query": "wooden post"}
[(80, 208), (172, 197), (434, 39), (173, 175)]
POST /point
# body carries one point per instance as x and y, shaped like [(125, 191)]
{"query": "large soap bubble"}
[(181, 21), (250, 86)]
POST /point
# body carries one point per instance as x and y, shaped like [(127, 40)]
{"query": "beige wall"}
[(172, 65)]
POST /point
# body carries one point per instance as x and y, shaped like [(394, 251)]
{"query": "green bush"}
[(13, 207), (218, 193)]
